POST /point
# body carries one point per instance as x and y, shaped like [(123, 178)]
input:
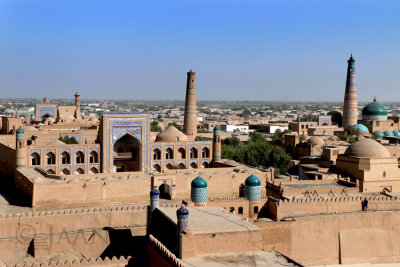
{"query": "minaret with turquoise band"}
[(350, 111), (190, 118), (20, 148)]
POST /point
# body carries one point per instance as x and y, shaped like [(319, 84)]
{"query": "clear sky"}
[(240, 50)]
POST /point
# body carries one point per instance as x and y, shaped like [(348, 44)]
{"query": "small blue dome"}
[(378, 134), (360, 127), (253, 180), (388, 133), (199, 182), (182, 211), (154, 192), (396, 133)]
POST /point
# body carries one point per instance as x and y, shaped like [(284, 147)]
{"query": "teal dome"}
[(199, 182), (20, 131), (374, 111), (388, 133), (396, 133), (360, 127), (253, 180), (378, 134)]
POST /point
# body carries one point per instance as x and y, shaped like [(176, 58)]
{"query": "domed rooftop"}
[(333, 138), (20, 130), (361, 128), (199, 182), (253, 180), (182, 211), (367, 148), (396, 133), (374, 111), (378, 134), (315, 140), (171, 134), (388, 133)]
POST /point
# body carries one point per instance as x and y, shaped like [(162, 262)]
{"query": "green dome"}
[(253, 180), (20, 130), (378, 134), (374, 109), (199, 182), (360, 127), (388, 133)]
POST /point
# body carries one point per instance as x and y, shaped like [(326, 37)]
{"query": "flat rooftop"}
[(211, 220), (270, 258)]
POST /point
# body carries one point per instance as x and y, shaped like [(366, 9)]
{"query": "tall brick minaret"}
[(190, 120), (350, 112), (78, 106)]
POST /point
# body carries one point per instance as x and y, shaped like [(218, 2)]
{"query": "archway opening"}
[(127, 151), (165, 190)]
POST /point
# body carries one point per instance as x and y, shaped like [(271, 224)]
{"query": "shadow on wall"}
[(10, 194), (122, 243)]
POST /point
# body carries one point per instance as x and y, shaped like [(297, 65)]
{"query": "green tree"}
[(232, 141), (246, 113), (68, 140), (308, 117), (154, 127), (302, 138), (176, 125)]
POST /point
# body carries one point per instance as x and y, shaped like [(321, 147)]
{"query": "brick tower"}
[(350, 112), (190, 120), (78, 106), (20, 161)]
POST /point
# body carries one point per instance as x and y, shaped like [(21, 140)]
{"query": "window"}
[(193, 153), (204, 165), (255, 209), (80, 171), (65, 172), (181, 153), (80, 158), (205, 152), (94, 170), (156, 154), (35, 159), (240, 211), (51, 158), (169, 153), (65, 158), (232, 209), (93, 157)]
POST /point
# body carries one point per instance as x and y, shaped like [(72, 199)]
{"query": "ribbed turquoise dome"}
[(396, 133), (378, 134), (360, 127), (20, 131), (253, 180), (374, 109), (199, 182), (388, 133)]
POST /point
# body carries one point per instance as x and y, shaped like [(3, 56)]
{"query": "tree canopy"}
[(68, 140), (176, 125), (154, 127), (257, 152)]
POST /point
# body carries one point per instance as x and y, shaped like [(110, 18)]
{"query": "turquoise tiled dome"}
[(374, 111), (199, 182), (252, 180), (360, 127), (396, 133), (378, 134), (388, 133)]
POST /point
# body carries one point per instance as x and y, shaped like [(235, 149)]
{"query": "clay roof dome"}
[(252, 180), (199, 182), (333, 138), (171, 134), (315, 140), (367, 148)]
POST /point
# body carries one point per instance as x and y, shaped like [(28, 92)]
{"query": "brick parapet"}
[(165, 253), (113, 262)]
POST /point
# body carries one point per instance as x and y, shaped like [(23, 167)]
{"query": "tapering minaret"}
[(20, 148), (78, 106), (216, 144), (350, 111), (190, 120)]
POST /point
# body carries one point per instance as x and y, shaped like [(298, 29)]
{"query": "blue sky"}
[(240, 50)]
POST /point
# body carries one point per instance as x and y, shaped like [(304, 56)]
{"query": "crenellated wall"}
[(159, 255), (278, 209)]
